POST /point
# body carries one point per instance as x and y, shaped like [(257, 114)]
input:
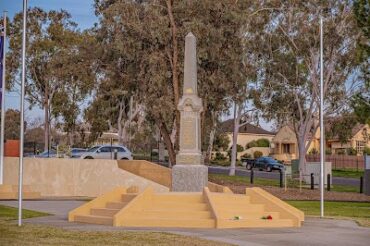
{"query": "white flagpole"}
[(322, 154), (20, 181), (3, 108)]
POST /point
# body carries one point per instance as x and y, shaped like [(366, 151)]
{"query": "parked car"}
[(246, 161), (47, 154), (107, 152), (265, 163), (77, 152)]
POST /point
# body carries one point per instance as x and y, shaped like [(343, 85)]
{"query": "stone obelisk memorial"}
[(190, 173)]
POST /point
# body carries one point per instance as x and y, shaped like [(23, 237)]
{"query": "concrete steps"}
[(157, 213), (94, 219), (166, 222), (104, 211), (184, 210), (104, 215), (258, 223)]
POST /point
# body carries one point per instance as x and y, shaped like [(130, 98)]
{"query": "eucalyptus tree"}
[(287, 89), (153, 34), (52, 44)]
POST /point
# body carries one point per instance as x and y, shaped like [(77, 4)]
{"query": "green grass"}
[(291, 183), (359, 211), (347, 173), (345, 188), (29, 234), (10, 213)]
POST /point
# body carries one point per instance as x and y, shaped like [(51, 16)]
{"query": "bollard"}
[(115, 154), (361, 184), (252, 176), (281, 179), (328, 181), (312, 181)]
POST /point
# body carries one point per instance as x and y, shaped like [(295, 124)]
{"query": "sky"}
[(82, 12)]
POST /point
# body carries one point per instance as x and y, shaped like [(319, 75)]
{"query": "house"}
[(247, 133), (285, 147), (360, 138)]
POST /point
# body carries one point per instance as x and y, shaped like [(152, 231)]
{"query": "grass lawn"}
[(28, 234), (292, 183), (359, 211), (347, 173), (10, 213)]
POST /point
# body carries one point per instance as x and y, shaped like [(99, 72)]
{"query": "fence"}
[(341, 161)]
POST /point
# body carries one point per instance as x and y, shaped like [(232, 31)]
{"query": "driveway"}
[(314, 231)]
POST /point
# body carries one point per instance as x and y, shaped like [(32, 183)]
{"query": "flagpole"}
[(3, 89), (322, 154), (20, 181)]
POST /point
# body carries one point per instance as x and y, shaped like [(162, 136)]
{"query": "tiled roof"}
[(228, 126)]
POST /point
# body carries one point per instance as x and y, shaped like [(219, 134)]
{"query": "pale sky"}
[(82, 12)]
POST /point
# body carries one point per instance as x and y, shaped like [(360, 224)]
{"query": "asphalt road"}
[(275, 175)]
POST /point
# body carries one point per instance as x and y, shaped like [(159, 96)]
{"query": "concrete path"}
[(314, 231)]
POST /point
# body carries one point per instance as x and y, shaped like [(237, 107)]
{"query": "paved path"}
[(275, 175), (314, 231)]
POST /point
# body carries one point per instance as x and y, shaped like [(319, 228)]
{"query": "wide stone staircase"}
[(104, 214), (206, 209)]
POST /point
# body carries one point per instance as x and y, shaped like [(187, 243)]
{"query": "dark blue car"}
[(265, 163)]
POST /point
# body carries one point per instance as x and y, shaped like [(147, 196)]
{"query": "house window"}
[(360, 145), (286, 148)]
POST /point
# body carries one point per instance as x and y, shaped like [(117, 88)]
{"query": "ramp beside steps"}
[(206, 209)]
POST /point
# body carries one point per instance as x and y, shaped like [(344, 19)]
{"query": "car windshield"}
[(45, 153), (77, 150), (93, 149)]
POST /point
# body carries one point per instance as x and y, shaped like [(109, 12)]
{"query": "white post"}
[(20, 181), (3, 108), (322, 154)]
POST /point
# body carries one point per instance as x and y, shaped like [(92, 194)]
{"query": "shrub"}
[(219, 156), (366, 151), (263, 142), (251, 144), (351, 151), (341, 152), (247, 156), (257, 154), (313, 152), (328, 151)]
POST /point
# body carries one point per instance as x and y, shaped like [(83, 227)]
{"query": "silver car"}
[(107, 152)]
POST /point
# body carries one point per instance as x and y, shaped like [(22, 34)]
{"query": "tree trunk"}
[(119, 123), (237, 115), (175, 76), (46, 119), (211, 140), (167, 141), (302, 154)]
